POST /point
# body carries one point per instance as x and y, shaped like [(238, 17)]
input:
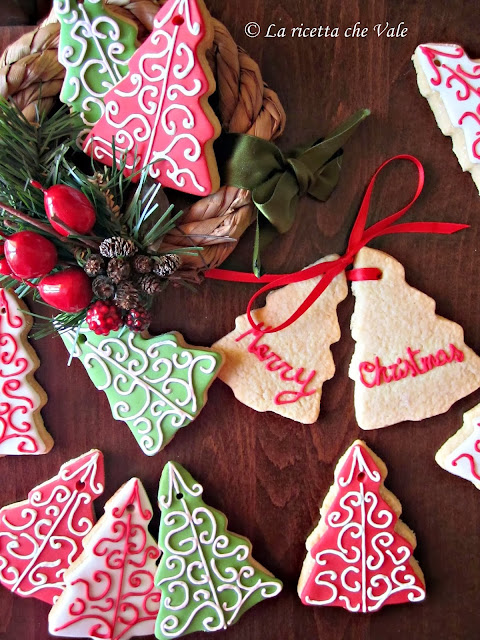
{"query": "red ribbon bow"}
[(359, 237)]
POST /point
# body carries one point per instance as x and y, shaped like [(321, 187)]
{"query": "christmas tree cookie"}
[(450, 81), (360, 554), (409, 363), (460, 454), (207, 576), (109, 590), (159, 115), (156, 385), (41, 536), (21, 426), (284, 372), (95, 46)]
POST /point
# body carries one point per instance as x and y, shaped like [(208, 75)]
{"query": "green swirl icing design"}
[(207, 576), (156, 385), (95, 47)]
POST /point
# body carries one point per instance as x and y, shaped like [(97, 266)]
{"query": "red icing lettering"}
[(276, 365), (373, 374)]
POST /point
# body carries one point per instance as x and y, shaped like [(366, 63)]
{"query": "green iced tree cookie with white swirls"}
[(95, 47), (156, 385), (207, 576)]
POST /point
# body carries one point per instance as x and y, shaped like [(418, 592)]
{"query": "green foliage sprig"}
[(47, 151)]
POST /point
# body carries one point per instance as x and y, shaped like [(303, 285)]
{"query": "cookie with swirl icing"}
[(450, 81), (95, 47), (156, 384), (22, 431), (460, 454), (360, 555), (158, 116)]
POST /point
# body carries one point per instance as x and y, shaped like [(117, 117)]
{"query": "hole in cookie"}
[(361, 476), (437, 62), (178, 21), (130, 508), (80, 485), (179, 496)]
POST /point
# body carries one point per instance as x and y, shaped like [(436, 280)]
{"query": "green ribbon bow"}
[(277, 181)]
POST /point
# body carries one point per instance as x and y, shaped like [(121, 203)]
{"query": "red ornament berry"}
[(69, 290), (103, 317), (70, 206), (4, 268), (30, 255), (138, 319)]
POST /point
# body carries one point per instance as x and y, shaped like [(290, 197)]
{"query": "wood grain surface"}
[(269, 474)]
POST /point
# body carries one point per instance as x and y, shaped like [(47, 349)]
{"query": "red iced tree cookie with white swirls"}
[(284, 372), (22, 430), (41, 536), (159, 115), (360, 556), (450, 81), (409, 363), (110, 591), (460, 454)]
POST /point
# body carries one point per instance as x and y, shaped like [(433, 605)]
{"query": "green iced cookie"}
[(156, 385), (95, 47), (206, 574)]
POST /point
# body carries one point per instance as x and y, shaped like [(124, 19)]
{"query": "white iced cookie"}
[(21, 426), (450, 81), (109, 590), (460, 454), (409, 363)]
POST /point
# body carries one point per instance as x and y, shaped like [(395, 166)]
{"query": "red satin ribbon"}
[(359, 237)]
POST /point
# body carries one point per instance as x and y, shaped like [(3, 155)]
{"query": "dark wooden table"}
[(268, 474)]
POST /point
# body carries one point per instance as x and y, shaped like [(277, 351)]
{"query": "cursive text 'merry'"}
[(275, 364)]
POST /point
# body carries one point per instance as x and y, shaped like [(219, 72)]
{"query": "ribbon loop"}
[(359, 237), (277, 180)]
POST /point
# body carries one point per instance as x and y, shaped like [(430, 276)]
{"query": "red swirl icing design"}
[(20, 401), (449, 71), (41, 536), (110, 594), (361, 561)]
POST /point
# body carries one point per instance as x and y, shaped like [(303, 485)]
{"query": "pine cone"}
[(117, 247), (118, 269), (167, 264), (127, 296), (94, 266), (142, 264), (150, 284), (103, 288)]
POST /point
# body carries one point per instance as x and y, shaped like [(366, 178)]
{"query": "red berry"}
[(103, 317), (30, 255), (70, 206), (2, 252), (138, 319), (4, 268), (69, 290)]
